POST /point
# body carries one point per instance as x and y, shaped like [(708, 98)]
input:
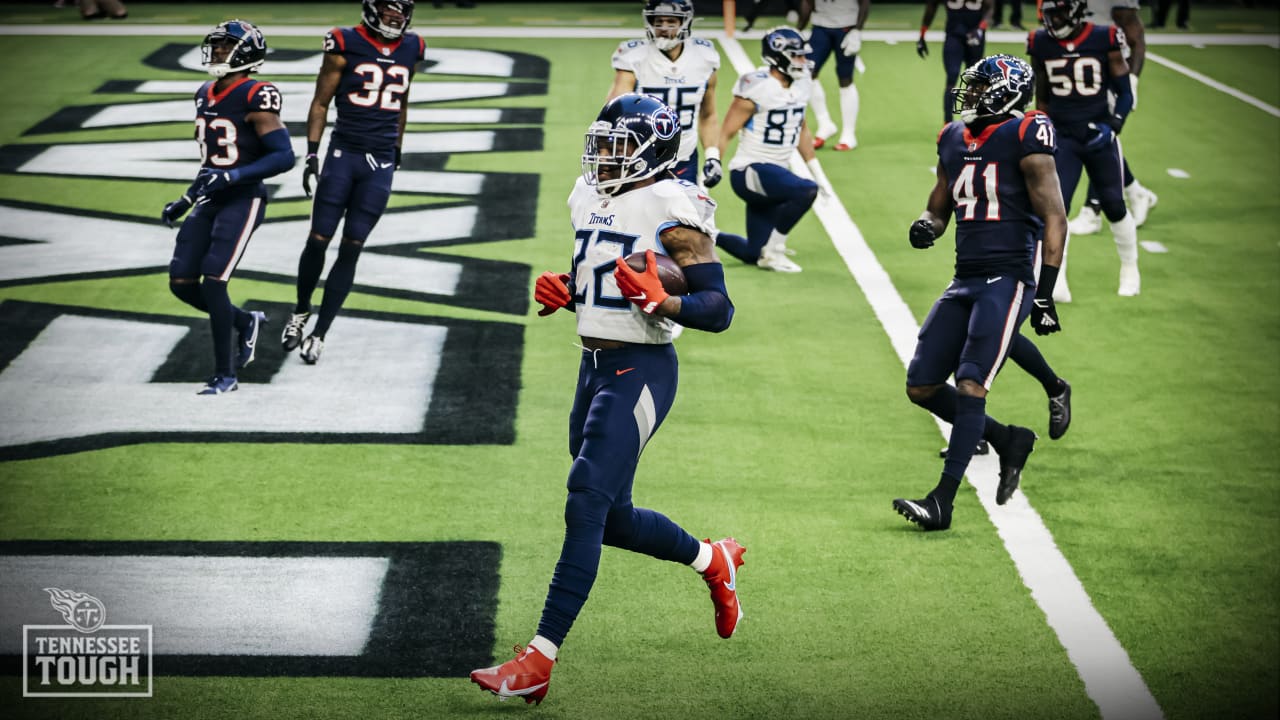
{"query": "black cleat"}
[(982, 449), (1021, 442), (927, 513), (1060, 412)]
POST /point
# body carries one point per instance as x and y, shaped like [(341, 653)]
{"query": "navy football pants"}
[(622, 398), (776, 199)]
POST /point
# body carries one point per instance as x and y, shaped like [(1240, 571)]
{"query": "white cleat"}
[(1088, 222), (824, 132), (1130, 281), (1140, 201), (1061, 293), (777, 261), (311, 349)]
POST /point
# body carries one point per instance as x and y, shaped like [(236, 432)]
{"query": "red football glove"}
[(644, 289), (551, 291)]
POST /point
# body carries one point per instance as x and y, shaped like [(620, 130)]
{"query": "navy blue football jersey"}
[(374, 85), (226, 137), (996, 226), (963, 15), (1079, 73)]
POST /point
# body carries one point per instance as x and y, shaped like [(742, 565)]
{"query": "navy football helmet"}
[(634, 137), (654, 9), (786, 49), (372, 16), (997, 85), (246, 49), (1062, 18)]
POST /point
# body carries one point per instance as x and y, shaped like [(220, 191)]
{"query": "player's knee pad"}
[(619, 526), (188, 291), (1113, 207), (921, 394), (585, 508)]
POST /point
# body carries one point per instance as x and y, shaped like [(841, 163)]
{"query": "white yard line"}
[(1271, 110), (1109, 677)]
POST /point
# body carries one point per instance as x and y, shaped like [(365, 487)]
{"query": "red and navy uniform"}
[(1078, 71), (216, 233), (970, 328), (356, 177)]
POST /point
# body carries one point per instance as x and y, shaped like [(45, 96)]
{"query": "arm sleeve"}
[(707, 306), (279, 158), (1124, 99)]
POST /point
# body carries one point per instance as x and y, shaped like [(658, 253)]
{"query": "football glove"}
[(174, 210), (712, 172), (974, 37), (852, 43), (312, 169), (1099, 138), (210, 182), (644, 289), (922, 234), (551, 291), (922, 48), (1044, 316)]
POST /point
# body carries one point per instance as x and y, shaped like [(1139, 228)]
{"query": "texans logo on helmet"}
[(665, 124)]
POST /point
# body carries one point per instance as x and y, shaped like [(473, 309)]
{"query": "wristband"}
[(713, 153), (1048, 278), (313, 147)]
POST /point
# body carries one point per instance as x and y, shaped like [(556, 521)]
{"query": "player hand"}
[(712, 172), (209, 182), (974, 37), (1100, 138), (174, 210), (312, 169), (922, 48), (922, 234), (852, 43), (552, 292), (643, 289), (1044, 316)]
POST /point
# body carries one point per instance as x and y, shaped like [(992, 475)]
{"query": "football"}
[(669, 272)]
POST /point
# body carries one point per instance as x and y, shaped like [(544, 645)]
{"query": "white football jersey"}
[(773, 132), (680, 84), (607, 227), (834, 13)]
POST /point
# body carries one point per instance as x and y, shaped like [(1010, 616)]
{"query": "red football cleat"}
[(722, 577), (818, 143), (526, 676)]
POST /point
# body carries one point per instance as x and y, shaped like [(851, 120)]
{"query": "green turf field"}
[(791, 431)]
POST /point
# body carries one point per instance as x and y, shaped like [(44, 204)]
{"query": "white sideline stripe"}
[(1109, 677), (605, 33), (1271, 110)]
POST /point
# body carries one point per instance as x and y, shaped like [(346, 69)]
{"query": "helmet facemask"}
[(994, 87), (1062, 18), (233, 47), (388, 18), (614, 156)]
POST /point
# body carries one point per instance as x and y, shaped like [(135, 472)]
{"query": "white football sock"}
[(849, 114), (777, 242), (703, 561), (544, 646), (818, 99), (1126, 235)]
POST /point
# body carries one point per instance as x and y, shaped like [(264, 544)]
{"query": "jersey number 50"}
[(1081, 77), (386, 98)]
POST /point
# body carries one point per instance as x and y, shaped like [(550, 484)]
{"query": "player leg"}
[(790, 197), (1027, 356), (333, 194), (952, 58), (189, 249), (746, 185), (1105, 169), (1070, 167), (999, 309), (823, 44), (369, 197), (233, 225), (1089, 220), (848, 100)]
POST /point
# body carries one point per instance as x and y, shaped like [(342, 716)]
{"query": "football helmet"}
[(654, 9), (372, 16), (994, 86), (1062, 18), (786, 49), (634, 137), (246, 52)]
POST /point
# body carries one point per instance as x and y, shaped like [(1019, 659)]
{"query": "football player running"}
[(966, 40), (996, 174), (627, 374), (242, 141), (366, 70), (1075, 61), (1124, 14), (837, 30), (767, 116)]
